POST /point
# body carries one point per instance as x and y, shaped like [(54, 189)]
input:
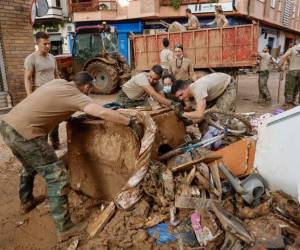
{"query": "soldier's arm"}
[(28, 80), (170, 69), (284, 58), (96, 110), (156, 96), (56, 73), (225, 22), (198, 114), (192, 73), (170, 56), (212, 22)]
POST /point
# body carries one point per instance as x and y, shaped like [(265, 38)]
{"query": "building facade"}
[(279, 20), (53, 18)]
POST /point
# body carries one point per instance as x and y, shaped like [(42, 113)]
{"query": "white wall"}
[(279, 39)]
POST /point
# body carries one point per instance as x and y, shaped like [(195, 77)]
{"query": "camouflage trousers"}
[(125, 101), (226, 101), (292, 86), (37, 157), (264, 93)]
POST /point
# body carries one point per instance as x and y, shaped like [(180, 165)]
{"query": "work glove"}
[(137, 128), (178, 108)]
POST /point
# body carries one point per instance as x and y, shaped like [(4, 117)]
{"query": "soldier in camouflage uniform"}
[(292, 84), (263, 76), (213, 90), (25, 128)]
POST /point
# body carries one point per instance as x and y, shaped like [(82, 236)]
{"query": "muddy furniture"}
[(101, 155)]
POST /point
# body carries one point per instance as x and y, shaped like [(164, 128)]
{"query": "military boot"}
[(60, 212), (73, 230)]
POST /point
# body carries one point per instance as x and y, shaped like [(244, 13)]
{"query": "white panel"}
[(277, 156)]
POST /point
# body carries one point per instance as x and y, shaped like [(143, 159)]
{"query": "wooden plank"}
[(99, 223), (193, 202), (202, 181), (214, 169), (189, 165)]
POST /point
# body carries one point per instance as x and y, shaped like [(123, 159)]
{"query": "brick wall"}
[(17, 40)]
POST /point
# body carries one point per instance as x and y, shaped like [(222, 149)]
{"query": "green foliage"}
[(176, 3), (44, 26)]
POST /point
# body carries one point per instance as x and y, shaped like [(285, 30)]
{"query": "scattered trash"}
[(21, 223), (232, 224), (185, 234), (168, 184), (212, 132), (267, 232), (251, 188), (73, 245), (99, 223), (200, 199), (161, 233), (203, 234), (173, 221)]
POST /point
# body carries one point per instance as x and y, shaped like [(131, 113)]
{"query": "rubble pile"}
[(193, 201), (188, 206)]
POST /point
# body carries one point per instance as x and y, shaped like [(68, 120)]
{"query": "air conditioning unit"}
[(106, 5), (70, 28)]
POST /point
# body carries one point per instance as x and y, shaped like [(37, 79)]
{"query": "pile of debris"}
[(193, 201), (190, 206)]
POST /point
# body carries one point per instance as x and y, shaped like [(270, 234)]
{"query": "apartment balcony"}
[(53, 13), (94, 5), (184, 2)]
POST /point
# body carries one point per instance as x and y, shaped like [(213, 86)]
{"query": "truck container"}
[(230, 47)]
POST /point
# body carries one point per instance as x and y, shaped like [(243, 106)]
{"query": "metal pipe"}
[(235, 182)]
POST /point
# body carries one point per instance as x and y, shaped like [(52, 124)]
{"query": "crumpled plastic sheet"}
[(162, 231), (131, 193)]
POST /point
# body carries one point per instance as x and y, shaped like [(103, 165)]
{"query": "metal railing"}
[(94, 5), (184, 2)]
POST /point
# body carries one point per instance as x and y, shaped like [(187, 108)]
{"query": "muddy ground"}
[(36, 229)]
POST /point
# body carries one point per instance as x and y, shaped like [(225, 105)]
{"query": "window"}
[(273, 3), (58, 3)]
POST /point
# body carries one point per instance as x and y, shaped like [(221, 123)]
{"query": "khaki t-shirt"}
[(134, 87), (294, 58), (193, 23), (43, 67), (181, 69), (166, 55), (264, 61), (210, 86), (221, 20), (45, 108)]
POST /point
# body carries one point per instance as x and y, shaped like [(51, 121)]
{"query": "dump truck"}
[(217, 48), (95, 50)]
